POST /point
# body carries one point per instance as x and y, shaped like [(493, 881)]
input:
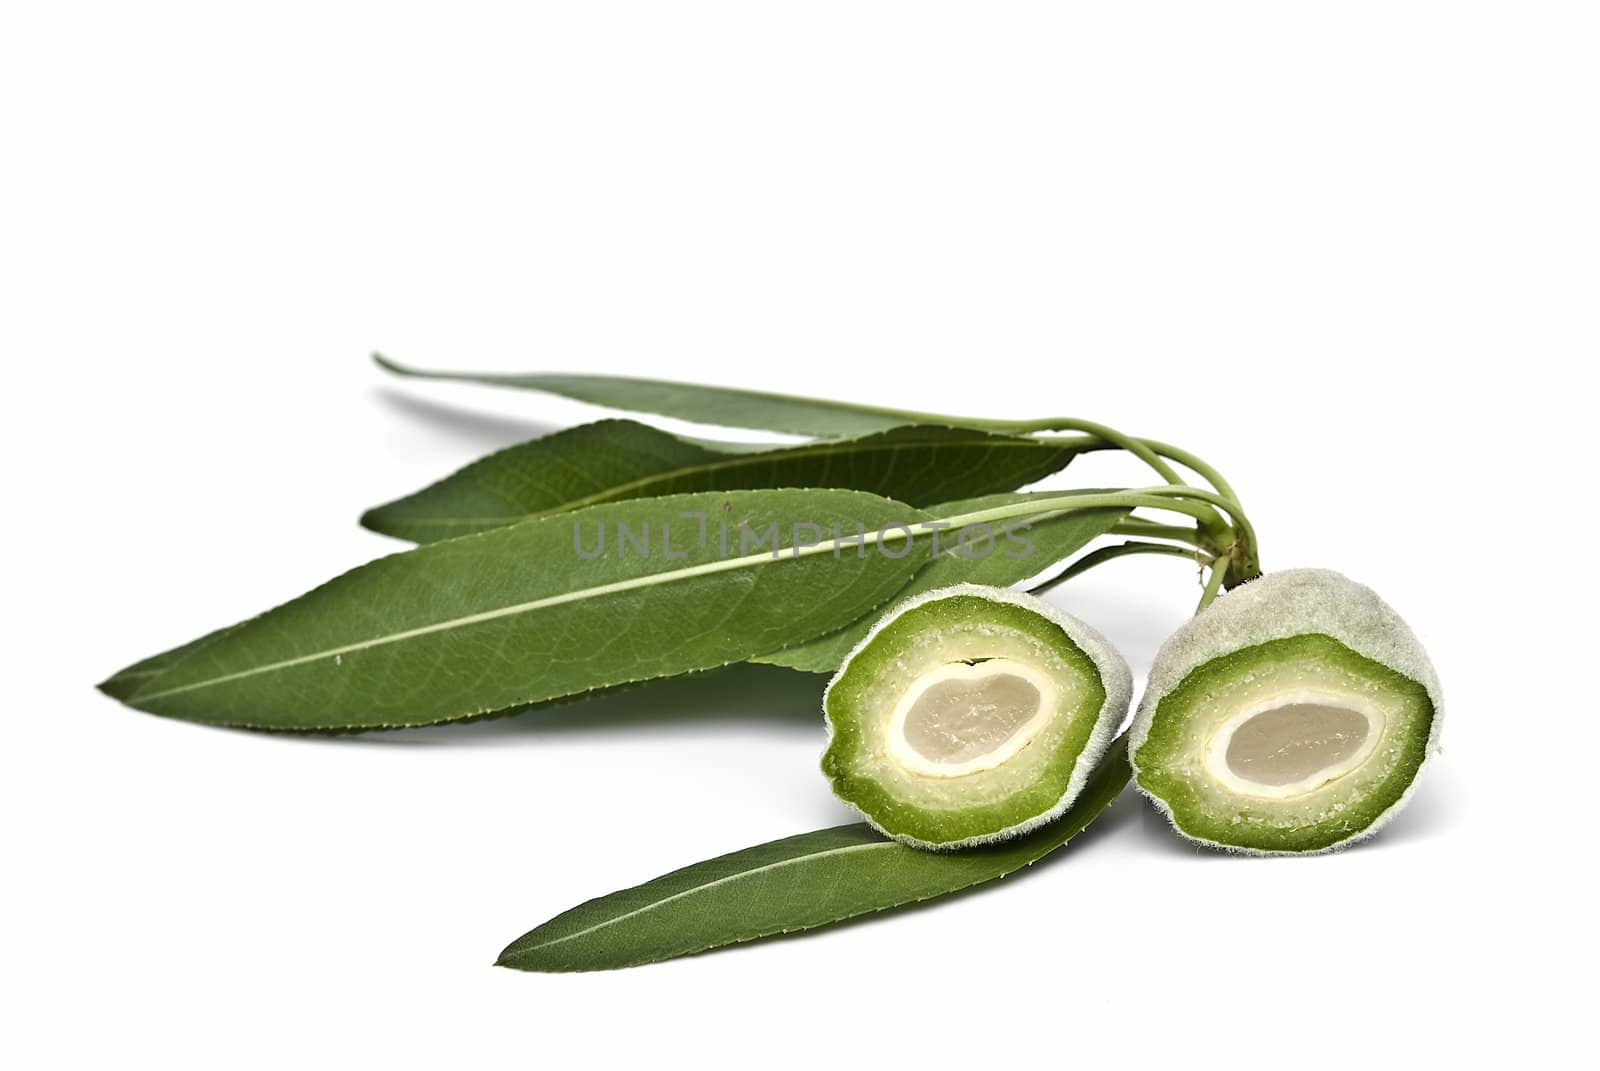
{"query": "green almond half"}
[(971, 714), (1291, 716)]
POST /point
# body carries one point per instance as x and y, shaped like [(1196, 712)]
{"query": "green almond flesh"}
[(1309, 686), (939, 810)]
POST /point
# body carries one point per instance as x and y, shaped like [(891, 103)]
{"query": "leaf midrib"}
[(703, 887), (631, 584), (1040, 510)]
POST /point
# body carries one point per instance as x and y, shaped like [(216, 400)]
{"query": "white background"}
[(1345, 251)]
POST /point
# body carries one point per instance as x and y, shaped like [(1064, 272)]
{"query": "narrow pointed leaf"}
[(1047, 541), (479, 625), (789, 885), (615, 460), (722, 406), (568, 469)]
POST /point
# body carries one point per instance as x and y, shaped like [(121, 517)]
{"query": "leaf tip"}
[(389, 366), (120, 685), (372, 520), (508, 959)]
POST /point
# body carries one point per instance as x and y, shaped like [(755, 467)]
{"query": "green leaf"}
[(614, 460), (1050, 540), (798, 883), (483, 624), (724, 406)]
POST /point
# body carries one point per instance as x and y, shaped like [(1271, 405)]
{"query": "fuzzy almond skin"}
[(1115, 677), (1290, 602)]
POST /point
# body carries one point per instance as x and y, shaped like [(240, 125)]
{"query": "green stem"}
[(1166, 497), (1233, 564), (1044, 506), (1238, 554), (1166, 450), (1246, 531), (1195, 464), (1219, 570), (1137, 526), (1139, 448), (1110, 553)]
